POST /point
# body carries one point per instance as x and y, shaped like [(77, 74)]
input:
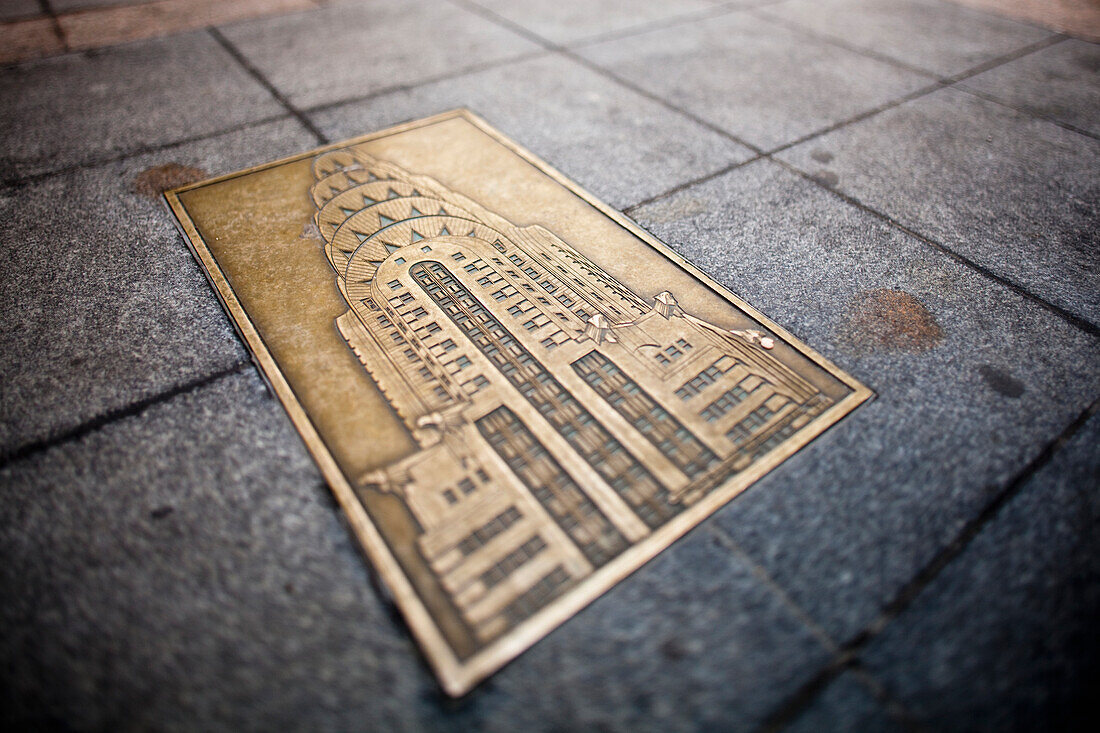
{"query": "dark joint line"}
[(1011, 56), (446, 76), (21, 181), (662, 101), (848, 655), (671, 22), (112, 416), (885, 107), (272, 90), (1071, 318), (55, 24), (994, 100), (840, 43), (688, 184), (503, 22)]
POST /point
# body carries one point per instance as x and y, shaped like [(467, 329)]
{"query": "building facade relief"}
[(560, 416)]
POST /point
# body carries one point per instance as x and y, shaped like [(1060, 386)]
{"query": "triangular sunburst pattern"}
[(486, 342)]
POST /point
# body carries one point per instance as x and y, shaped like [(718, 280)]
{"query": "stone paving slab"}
[(1061, 82), (691, 641), (572, 21), (102, 303), (1005, 638), (618, 144), (188, 564), (353, 49), (80, 108), (1017, 195), (845, 706), (757, 80), (972, 381), (932, 35)]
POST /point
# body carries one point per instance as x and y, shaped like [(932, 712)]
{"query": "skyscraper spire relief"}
[(517, 395), (560, 417)]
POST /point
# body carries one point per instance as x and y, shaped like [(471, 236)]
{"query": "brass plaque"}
[(517, 394)]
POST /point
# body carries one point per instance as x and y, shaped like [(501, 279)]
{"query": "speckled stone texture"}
[(755, 79), (102, 305), (614, 142), (353, 49), (935, 36), (172, 560), (188, 563), (853, 516), (1061, 83), (846, 706), (1005, 639), (87, 107), (62, 6), (1015, 194), (568, 22)]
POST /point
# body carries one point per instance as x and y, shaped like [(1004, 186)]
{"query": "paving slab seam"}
[(767, 154), (764, 15), (271, 88), (1073, 319), (1053, 38), (854, 665), (935, 86), (940, 83), (937, 83), (848, 656), (448, 76), (726, 540), (494, 17), (1077, 321), (55, 24), (688, 184), (20, 181), (567, 53), (112, 416), (893, 706), (663, 24), (1022, 110), (302, 115), (662, 101), (866, 114)]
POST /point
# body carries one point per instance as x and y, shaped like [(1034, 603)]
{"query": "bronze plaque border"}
[(458, 677)]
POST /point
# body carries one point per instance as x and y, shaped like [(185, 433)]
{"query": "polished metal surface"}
[(517, 395)]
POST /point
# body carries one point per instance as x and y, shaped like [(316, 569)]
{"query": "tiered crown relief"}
[(560, 416)]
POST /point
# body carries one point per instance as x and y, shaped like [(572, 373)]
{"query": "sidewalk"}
[(909, 186)]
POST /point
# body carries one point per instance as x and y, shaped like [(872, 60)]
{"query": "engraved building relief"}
[(560, 417)]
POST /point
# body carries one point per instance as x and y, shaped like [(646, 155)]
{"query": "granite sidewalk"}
[(909, 186)]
